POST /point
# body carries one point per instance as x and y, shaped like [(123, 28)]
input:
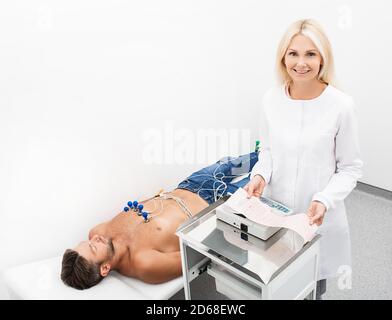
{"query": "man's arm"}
[(153, 266)]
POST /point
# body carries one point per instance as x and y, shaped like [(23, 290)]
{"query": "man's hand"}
[(316, 213), (255, 186)]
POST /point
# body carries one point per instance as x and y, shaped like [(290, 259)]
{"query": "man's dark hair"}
[(78, 272)]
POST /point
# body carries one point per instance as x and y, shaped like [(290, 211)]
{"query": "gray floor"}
[(369, 212)]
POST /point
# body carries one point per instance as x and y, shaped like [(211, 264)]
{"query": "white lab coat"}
[(310, 151)]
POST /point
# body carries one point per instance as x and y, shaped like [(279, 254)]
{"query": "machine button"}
[(244, 236), (244, 227)]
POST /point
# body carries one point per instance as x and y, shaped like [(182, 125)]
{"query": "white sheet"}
[(41, 280)]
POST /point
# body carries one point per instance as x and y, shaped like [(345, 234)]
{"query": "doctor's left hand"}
[(316, 213)]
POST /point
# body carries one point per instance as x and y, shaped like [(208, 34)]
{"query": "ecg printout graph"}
[(255, 210)]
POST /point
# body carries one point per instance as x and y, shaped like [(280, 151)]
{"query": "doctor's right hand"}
[(255, 186)]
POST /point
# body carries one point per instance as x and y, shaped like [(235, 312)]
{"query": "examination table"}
[(41, 281)]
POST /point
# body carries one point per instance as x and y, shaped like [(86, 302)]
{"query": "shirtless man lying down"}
[(150, 251)]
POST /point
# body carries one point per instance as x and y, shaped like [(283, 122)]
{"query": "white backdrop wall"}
[(89, 89)]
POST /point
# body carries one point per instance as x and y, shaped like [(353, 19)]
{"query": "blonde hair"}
[(311, 29)]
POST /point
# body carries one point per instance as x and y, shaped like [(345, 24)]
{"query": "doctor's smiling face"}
[(302, 59)]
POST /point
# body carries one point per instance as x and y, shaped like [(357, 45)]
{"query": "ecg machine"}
[(241, 222), (232, 250)]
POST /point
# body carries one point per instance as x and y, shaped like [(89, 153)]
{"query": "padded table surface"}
[(41, 280)]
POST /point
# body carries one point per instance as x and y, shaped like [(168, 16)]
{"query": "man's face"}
[(99, 249)]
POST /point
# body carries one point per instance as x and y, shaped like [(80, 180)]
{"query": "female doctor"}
[(309, 158)]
